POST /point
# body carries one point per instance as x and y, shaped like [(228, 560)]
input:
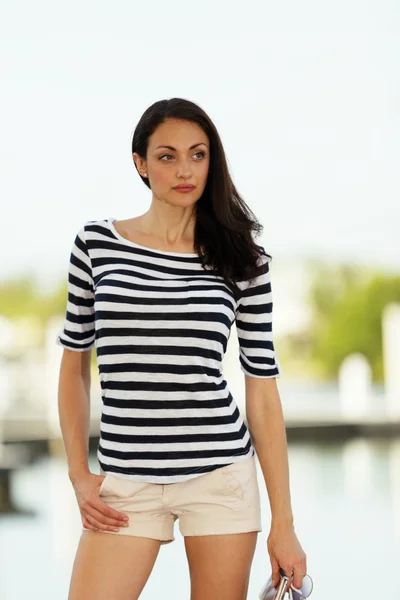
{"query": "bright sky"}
[(305, 96)]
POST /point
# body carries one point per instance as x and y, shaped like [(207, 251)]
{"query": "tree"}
[(347, 305)]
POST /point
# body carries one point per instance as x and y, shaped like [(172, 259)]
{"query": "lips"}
[(184, 187)]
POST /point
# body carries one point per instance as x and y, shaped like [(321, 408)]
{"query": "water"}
[(346, 502)]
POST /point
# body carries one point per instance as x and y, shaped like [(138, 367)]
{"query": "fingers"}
[(87, 524), (300, 570), (104, 519), (296, 572), (100, 505), (94, 524), (275, 571), (99, 516)]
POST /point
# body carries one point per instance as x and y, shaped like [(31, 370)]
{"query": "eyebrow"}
[(191, 147)]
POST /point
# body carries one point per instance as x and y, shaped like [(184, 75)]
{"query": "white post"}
[(391, 357), (357, 467), (354, 386)]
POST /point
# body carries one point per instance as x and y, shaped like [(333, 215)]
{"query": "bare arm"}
[(74, 409), (74, 413), (267, 428)]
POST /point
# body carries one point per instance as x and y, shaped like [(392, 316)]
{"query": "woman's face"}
[(185, 161)]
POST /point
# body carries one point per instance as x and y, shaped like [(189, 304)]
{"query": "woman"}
[(157, 295)]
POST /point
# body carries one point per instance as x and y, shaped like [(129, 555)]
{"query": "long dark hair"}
[(225, 226)]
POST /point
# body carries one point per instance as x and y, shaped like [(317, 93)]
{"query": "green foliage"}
[(20, 298), (347, 305)]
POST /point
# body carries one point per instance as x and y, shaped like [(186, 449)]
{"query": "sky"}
[(305, 96)]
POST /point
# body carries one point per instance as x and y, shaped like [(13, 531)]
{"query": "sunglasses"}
[(270, 593)]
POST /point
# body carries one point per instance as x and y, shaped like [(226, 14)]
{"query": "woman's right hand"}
[(95, 513)]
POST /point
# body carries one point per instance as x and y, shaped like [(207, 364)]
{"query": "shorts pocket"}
[(120, 488), (103, 484), (238, 481)]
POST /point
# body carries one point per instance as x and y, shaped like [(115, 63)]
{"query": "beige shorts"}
[(226, 500)]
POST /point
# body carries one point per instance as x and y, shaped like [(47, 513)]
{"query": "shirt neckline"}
[(110, 222)]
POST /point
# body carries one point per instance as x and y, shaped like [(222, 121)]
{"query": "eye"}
[(199, 152)]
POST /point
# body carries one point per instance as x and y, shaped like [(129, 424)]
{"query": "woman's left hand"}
[(286, 552)]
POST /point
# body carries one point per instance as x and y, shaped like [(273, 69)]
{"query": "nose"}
[(183, 169)]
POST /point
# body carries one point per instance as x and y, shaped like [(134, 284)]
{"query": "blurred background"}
[(305, 97)]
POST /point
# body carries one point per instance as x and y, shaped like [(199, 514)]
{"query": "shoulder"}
[(86, 235), (93, 223), (89, 228), (264, 256), (262, 263), (259, 275)]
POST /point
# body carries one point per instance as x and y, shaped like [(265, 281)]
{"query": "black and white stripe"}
[(160, 324)]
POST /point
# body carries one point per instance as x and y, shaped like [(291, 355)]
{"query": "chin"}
[(184, 201)]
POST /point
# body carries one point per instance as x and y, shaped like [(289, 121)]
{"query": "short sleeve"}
[(78, 332), (254, 325)]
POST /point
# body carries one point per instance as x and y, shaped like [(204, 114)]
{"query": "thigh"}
[(220, 565), (111, 567)]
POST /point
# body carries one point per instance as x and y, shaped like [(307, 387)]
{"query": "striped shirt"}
[(160, 323)]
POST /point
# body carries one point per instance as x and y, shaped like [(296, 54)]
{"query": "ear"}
[(141, 165)]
